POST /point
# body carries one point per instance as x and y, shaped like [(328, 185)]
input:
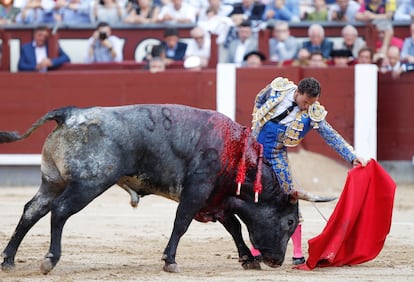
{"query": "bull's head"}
[(273, 219), (270, 225)]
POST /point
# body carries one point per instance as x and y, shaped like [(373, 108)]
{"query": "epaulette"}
[(282, 84), (317, 113)]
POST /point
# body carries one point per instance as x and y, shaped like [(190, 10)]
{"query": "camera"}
[(103, 35)]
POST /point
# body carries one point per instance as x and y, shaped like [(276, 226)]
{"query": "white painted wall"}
[(366, 104)]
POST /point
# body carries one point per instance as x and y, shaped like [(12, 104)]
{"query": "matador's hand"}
[(359, 161)]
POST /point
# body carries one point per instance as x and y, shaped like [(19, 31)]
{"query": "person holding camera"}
[(104, 47)]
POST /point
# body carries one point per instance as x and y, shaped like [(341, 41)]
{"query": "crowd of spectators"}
[(235, 23)]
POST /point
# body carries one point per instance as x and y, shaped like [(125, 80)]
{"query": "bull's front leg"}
[(181, 224), (189, 205), (233, 226)]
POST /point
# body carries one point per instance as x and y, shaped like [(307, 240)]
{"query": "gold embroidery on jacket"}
[(293, 132)]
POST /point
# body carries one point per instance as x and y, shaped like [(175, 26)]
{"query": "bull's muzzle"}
[(273, 262)]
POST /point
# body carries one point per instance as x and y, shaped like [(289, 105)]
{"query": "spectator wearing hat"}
[(174, 48), (341, 57), (243, 44), (254, 59)]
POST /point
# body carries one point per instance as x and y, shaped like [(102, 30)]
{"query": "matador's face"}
[(303, 100)]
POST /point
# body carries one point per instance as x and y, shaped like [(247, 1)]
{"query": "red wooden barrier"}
[(396, 117), (26, 96), (5, 51)]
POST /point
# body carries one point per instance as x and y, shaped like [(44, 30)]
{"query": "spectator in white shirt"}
[(199, 46), (177, 12)]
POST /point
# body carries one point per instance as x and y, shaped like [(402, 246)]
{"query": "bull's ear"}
[(293, 197)]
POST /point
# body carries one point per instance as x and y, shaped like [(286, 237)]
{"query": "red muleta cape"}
[(356, 231)]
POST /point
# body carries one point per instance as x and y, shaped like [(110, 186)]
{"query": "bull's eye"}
[(290, 222)]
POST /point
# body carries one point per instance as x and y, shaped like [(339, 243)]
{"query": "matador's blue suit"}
[(275, 137)]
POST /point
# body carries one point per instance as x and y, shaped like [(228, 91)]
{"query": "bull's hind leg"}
[(72, 200), (33, 211), (232, 225)]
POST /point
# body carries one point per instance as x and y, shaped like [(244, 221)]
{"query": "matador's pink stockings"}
[(297, 244)]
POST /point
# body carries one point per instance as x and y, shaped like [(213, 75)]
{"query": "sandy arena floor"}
[(111, 241)]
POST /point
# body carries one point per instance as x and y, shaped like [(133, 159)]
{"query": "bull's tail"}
[(59, 115)]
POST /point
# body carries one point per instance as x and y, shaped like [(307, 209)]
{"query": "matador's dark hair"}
[(310, 86)]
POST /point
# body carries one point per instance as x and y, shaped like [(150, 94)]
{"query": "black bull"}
[(185, 154)]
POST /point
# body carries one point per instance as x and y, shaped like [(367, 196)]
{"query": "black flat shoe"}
[(297, 261)]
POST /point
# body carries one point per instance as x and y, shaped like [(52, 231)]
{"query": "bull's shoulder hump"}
[(162, 109), (139, 111)]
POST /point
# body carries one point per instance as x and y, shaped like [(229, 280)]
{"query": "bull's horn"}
[(304, 195)]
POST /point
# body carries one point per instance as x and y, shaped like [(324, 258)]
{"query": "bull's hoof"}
[(248, 262), (247, 265), (173, 268), (7, 266), (47, 264)]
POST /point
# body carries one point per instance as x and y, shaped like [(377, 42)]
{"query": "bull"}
[(188, 155)]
